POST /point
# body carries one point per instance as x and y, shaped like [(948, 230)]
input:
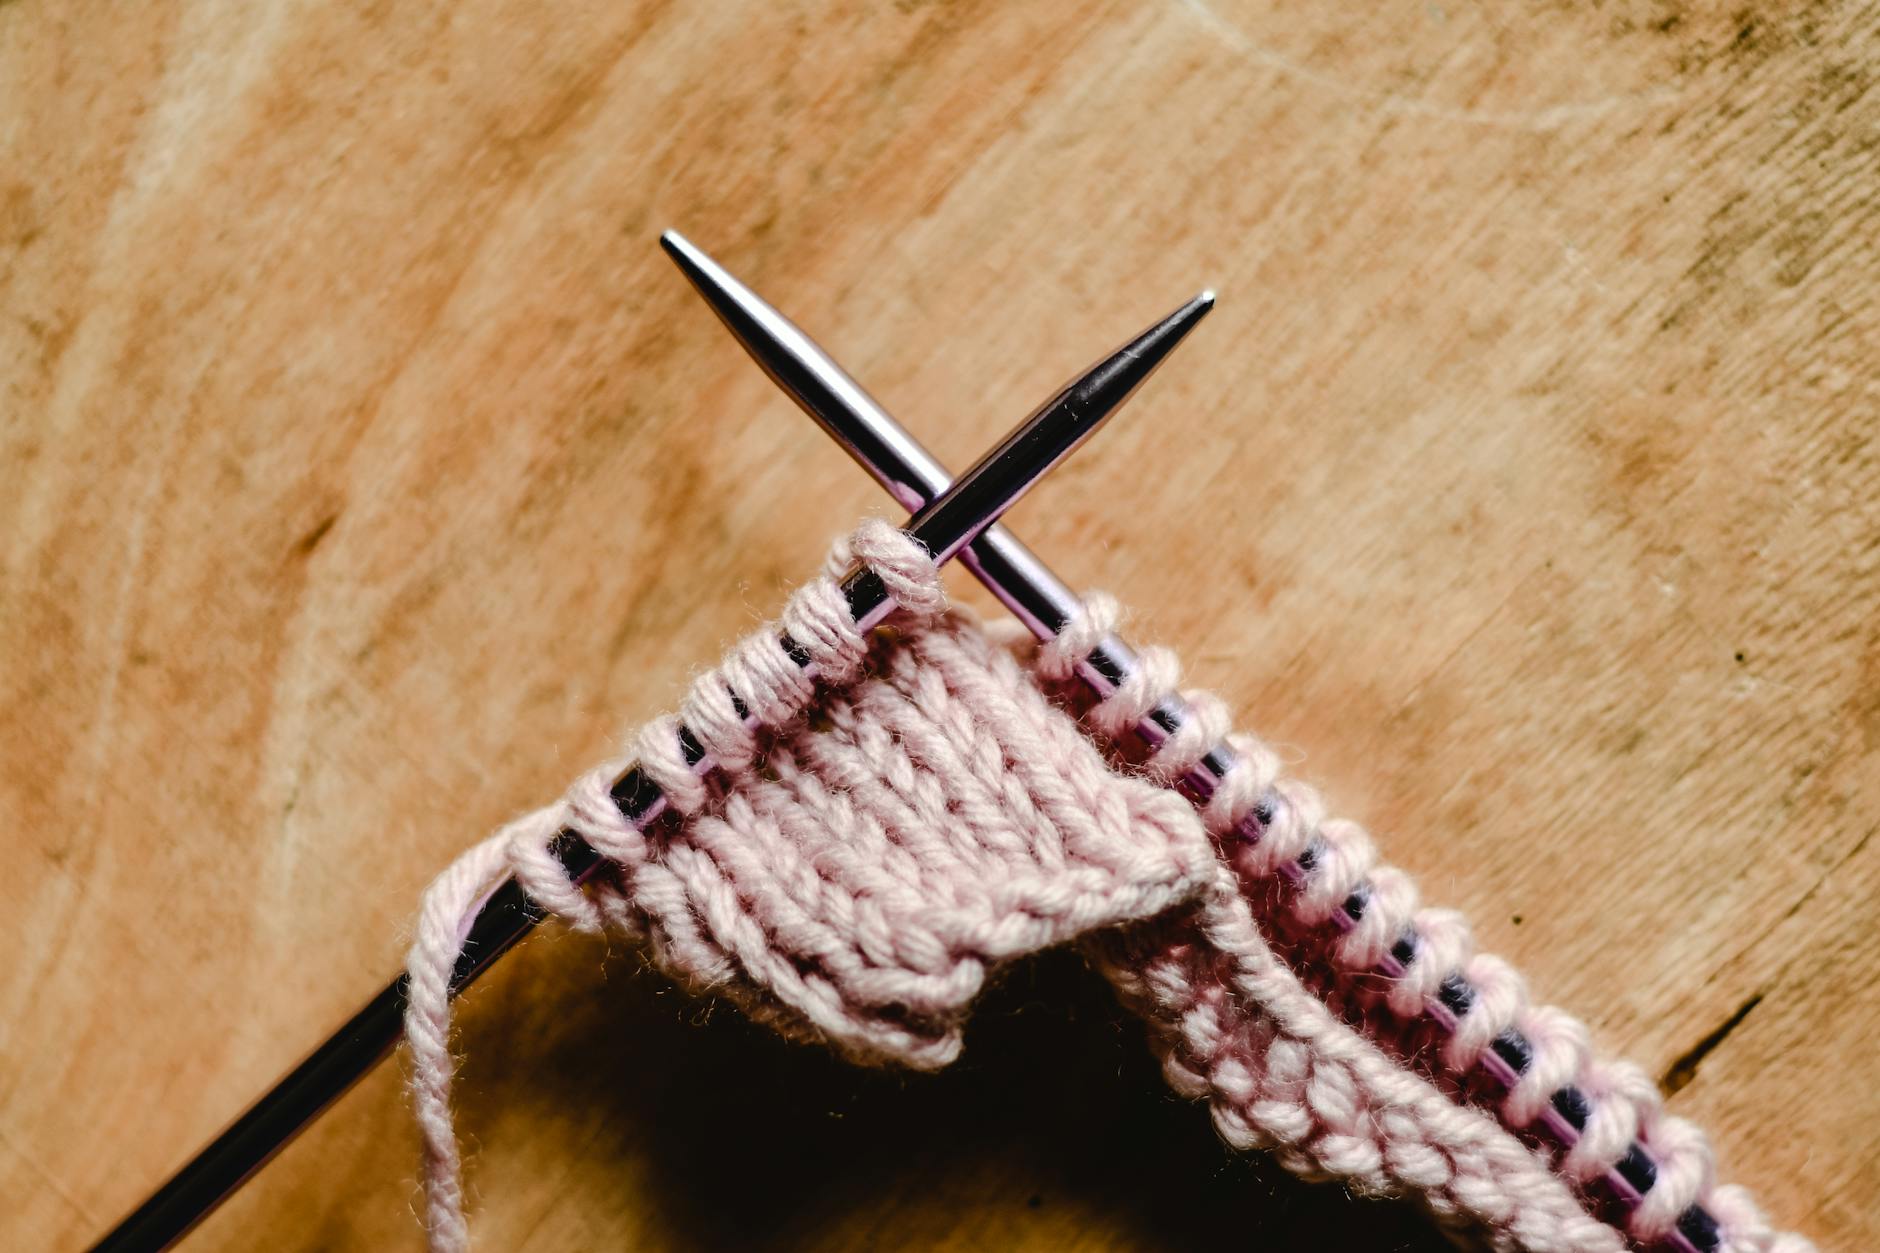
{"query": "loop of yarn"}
[(1289, 821)]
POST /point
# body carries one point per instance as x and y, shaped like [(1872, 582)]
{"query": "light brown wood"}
[(366, 469)]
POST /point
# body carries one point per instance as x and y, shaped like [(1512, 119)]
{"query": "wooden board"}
[(365, 470)]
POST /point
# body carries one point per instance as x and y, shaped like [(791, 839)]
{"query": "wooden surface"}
[(365, 469)]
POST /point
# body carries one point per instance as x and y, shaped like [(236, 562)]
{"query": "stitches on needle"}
[(1607, 1115)]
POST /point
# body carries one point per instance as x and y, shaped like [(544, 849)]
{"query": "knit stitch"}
[(856, 866)]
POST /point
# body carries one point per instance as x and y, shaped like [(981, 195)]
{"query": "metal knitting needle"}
[(883, 447), (943, 527), (1009, 570)]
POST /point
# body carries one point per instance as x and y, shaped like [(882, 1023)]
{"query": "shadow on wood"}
[(1055, 1125)]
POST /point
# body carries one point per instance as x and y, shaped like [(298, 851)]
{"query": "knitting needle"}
[(945, 526), (844, 409), (898, 461)]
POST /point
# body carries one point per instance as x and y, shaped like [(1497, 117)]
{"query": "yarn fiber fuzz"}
[(858, 865)]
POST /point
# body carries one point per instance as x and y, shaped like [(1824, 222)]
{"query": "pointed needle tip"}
[(698, 268), (1177, 324)]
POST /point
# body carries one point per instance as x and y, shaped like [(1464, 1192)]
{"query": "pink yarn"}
[(1321, 869), (1234, 1026), (850, 877)]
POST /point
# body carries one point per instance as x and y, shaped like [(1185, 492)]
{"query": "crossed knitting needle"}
[(1013, 574), (945, 520)]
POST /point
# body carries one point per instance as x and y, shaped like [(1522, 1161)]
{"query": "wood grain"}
[(364, 470)]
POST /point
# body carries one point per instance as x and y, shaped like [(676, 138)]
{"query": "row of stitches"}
[(1606, 1116)]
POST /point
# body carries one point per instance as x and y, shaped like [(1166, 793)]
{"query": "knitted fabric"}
[(849, 878), (1234, 1026), (1382, 957), (857, 865)]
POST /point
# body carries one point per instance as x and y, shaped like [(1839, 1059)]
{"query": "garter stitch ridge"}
[(857, 866)]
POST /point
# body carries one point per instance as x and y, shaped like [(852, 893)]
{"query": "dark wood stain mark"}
[(1684, 1069), (305, 545)]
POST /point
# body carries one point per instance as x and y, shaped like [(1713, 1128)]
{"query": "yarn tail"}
[(451, 903)]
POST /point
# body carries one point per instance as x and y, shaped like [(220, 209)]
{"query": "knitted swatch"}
[(856, 867)]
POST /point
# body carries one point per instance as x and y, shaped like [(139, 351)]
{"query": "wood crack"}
[(1684, 1069)]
